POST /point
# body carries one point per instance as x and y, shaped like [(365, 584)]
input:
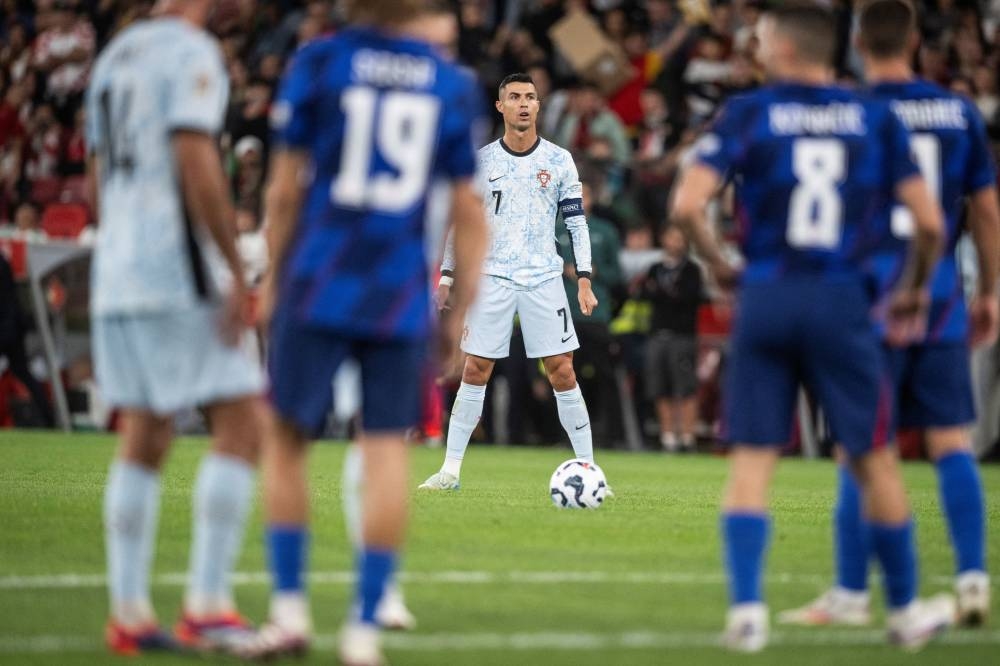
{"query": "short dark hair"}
[(885, 27), (516, 77), (812, 27)]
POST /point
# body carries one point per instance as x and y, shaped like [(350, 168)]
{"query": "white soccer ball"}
[(578, 484)]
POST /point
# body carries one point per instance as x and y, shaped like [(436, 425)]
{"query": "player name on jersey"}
[(791, 119), (386, 69), (919, 114)]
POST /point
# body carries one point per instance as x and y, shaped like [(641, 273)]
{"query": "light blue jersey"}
[(156, 78), (523, 193)]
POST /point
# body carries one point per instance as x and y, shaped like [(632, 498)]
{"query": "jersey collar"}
[(525, 153)]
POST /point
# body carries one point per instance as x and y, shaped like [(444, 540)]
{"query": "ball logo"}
[(544, 177)]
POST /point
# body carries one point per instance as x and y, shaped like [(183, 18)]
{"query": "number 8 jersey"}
[(155, 78), (815, 169), (381, 118)]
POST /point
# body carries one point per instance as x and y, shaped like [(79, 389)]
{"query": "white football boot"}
[(392, 612), (914, 626), (835, 606), (360, 645), (747, 628), (440, 481), (972, 590)]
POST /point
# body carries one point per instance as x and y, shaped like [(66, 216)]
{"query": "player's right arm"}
[(909, 305), (282, 203)]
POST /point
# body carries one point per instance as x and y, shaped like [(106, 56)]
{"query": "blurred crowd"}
[(673, 62)]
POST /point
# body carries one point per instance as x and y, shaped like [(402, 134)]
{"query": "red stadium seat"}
[(45, 190), (64, 220)]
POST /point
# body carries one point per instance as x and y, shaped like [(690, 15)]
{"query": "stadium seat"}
[(64, 220), (45, 190)]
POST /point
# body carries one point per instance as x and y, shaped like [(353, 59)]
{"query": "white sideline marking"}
[(248, 578), (548, 640)]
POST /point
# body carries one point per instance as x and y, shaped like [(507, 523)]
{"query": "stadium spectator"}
[(65, 52), (593, 361), (44, 144), (27, 223), (587, 119), (12, 332), (675, 288), (73, 156)]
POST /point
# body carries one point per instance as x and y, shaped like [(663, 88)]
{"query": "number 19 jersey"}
[(381, 118), (156, 78), (814, 168)]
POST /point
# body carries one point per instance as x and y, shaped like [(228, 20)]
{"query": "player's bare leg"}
[(665, 417), (131, 513), (286, 514), (961, 497), (465, 415), (687, 411), (385, 473), (392, 612), (223, 494), (573, 413), (745, 530)]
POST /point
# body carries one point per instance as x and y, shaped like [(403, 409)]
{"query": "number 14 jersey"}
[(815, 170), (381, 118)]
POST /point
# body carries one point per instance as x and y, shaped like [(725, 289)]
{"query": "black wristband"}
[(582, 274)]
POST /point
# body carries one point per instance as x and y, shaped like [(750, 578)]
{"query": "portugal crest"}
[(544, 177)]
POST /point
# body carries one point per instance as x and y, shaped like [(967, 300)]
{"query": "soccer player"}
[(364, 122), (528, 181), (933, 386), (813, 164), (164, 335)]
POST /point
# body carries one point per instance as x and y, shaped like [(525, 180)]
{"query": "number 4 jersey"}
[(381, 118), (953, 152), (156, 78), (815, 169)]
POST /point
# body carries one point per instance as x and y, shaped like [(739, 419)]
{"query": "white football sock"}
[(576, 422), (131, 510), (465, 414), (222, 496), (351, 495)]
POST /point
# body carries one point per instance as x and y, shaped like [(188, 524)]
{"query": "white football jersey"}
[(155, 78), (522, 194)]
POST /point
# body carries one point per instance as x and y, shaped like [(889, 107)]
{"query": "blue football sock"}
[(893, 545), (287, 545), (375, 569), (961, 492), (745, 537), (850, 534)]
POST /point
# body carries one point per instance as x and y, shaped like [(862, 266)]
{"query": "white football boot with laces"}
[(440, 481), (972, 590), (835, 606), (392, 612), (747, 628), (360, 645), (915, 625)]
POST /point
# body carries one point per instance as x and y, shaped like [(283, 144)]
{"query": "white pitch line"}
[(251, 578), (547, 640)]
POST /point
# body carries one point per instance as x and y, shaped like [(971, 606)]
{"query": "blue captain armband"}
[(571, 207)]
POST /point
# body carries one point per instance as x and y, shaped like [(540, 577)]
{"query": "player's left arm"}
[(571, 207), (698, 185), (984, 225)]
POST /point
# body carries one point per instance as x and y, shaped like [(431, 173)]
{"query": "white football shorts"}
[(167, 361), (546, 320)]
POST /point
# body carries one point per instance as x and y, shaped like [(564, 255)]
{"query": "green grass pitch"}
[(495, 574)]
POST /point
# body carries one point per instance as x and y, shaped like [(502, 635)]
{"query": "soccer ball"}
[(578, 484)]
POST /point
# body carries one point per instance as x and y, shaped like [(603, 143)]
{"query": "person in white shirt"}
[(165, 329), (526, 182)]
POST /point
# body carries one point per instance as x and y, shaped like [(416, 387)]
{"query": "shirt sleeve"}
[(92, 124), (199, 90), (719, 148), (293, 113), (899, 152), (462, 131), (980, 169), (571, 208)]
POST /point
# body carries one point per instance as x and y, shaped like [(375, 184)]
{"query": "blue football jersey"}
[(813, 168), (949, 142), (382, 118)]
